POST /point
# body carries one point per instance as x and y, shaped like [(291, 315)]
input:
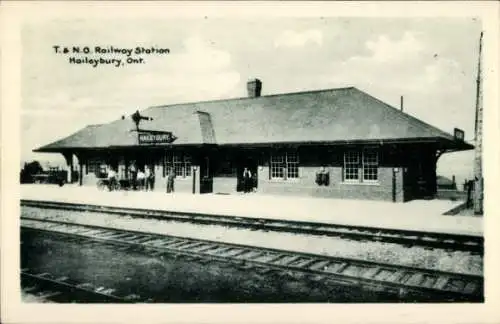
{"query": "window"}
[(292, 165), (370, 165), (284, 165), (277, 165), (96, 166), (351, 166), (361, 166), (180, 163), (226, 167)]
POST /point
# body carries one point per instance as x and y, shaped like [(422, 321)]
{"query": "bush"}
[(29, 170)]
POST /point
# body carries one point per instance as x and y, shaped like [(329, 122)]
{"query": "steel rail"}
[(455, 242), (397, 279), (62, 289)]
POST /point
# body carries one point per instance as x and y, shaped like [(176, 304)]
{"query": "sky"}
[(431, 62)]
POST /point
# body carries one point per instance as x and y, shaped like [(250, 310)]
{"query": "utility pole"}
[(478, 130)]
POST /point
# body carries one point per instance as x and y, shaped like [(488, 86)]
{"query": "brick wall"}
[(88, 179), (311, 159), (224, 185), (306, 185), (180, 185), (184, 185)]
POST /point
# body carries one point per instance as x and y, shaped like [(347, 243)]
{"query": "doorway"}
[(418, 177), (206, 176), (251, 164)]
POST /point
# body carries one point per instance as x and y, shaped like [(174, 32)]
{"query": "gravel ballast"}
[(436, 259), (30, 298)]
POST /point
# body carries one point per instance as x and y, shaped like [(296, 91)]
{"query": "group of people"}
[(141, 179), (144, 179)]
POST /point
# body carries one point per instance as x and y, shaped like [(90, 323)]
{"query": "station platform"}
[(419, 215)]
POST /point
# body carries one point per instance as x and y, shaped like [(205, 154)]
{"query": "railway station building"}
[(338, 143)]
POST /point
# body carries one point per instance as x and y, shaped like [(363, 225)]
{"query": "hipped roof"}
[(341, 115)]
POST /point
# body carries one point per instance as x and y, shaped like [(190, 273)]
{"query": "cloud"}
[(385, 49), (401, 65), (200, 57), (169, 88), (58, 104), (440, 68), (290, 38), (199, 72)]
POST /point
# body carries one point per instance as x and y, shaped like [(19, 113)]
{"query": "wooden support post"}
[(69, 166), (80, 168), (478, 170), (194, 180), (80, 174), (394, 184)]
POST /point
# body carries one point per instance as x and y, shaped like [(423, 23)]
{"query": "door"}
[(418, 176), (250, 163), (206, 177)]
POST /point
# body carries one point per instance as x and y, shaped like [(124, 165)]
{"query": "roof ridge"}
[(249, 98)]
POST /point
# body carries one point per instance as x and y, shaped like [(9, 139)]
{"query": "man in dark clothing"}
[(170, 181), (150, 178), (247, 180), (133, 173), (470, 190)]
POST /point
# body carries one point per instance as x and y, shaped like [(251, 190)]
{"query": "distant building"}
[(369, 150), (446, 183)]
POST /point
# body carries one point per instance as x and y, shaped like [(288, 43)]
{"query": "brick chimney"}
[(254, 87)]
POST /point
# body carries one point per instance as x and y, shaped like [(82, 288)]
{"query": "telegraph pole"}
[(478, 130)]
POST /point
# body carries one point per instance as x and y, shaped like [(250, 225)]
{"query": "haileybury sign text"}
[(165, 138)]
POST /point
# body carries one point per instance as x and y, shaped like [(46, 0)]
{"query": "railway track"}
[(62, 289), (427, 285), (455, 242)]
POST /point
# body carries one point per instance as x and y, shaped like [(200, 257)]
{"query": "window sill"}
[(179, 178), (358, 183), (280, 180)]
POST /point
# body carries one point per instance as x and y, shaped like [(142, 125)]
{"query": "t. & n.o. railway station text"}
[(108, 55)]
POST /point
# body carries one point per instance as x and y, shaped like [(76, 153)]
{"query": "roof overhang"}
[(66, 149), (441, 143), (117, 147), (444, 144)]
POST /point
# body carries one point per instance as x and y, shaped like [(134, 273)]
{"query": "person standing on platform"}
[(140, 179), (133, 174), (170, 181), (147, 174), (247, 180), (111, 179), (150, 178)]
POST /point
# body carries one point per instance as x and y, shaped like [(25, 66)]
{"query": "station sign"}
[(161, 138), (459, 134)]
